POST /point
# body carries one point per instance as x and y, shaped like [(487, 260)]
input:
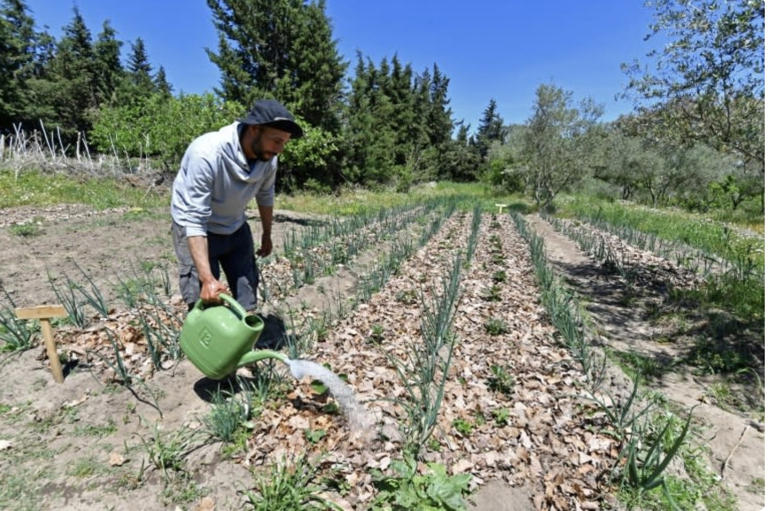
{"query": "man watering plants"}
[(220, 173)]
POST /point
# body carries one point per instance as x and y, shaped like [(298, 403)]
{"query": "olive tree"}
[(559, 143), (706, 84)]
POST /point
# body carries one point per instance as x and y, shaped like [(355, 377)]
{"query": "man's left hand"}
[(266, 246)]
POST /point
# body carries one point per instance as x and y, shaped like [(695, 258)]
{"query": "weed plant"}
[(290, 484), (501, 380), (499, 276), (501, 416), (407, 488), (496, 326), (463, 427), (26, 230), (167, 451), (228, 415)]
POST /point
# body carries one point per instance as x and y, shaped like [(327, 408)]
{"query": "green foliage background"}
[(696, 139)]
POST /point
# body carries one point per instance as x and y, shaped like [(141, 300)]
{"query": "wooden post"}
[(501, 207), (44, 313)]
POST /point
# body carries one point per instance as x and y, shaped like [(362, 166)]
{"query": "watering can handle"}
[(234, 305)]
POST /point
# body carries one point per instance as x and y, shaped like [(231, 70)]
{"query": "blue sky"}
[(489, 49)]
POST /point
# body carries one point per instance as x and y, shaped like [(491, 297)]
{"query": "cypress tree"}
[(439, 121), (282, 49), (490, 129)]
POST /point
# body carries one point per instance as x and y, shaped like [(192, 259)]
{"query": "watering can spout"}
[(255, 356)]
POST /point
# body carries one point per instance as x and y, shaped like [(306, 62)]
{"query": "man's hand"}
[(266, 245), (210, 291)]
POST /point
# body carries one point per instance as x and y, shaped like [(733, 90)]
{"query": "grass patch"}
[(743, 298), (633, 363), (353, 201), (98, 431), (34, 188), (86, 467), (29, 229), (694, 230), (20, 489)]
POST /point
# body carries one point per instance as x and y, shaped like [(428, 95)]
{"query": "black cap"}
[(268, 112)]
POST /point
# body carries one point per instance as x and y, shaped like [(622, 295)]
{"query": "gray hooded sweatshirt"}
[(215, 184)]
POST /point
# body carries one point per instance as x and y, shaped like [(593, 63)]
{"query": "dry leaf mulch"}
[(92, 347), (547, 443)]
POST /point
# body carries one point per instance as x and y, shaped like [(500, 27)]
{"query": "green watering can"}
[(218, 339)]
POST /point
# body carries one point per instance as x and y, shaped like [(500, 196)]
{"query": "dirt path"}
[(736, 442)]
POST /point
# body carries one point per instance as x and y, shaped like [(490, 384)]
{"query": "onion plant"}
[(425, 370), (69, 300)]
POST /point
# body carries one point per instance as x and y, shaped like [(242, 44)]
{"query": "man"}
[(220, 173)]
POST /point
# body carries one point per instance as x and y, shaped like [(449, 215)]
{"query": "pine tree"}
[(316, 88), (17, 54), (72, 79), (137, 85), (161, 83), (110, 70), (369, 138), (139, 68), (462, 136)]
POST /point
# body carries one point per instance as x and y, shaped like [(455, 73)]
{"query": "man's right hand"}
[(210, 291)]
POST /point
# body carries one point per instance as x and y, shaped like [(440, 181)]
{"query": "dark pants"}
[(234, 252)]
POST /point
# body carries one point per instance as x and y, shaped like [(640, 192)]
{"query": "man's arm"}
[(265, 213), (210, 287)]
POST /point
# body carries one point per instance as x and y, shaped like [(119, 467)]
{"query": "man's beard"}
[(261, 155)]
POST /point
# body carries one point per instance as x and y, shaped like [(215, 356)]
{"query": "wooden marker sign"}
[(44, 313)]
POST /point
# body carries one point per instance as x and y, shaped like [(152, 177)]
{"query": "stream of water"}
[(356, 415)]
